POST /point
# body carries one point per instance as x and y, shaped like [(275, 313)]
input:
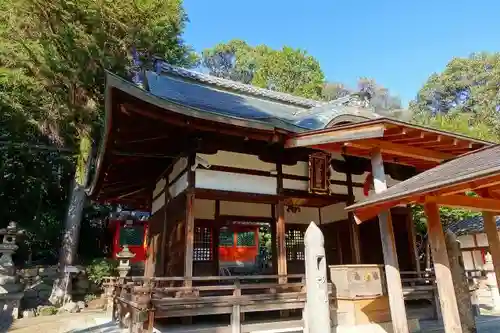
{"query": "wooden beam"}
[(335, 136), (401, 150), (393, 278), (463, 201), (447, 297), (189, 240), (490, 227)]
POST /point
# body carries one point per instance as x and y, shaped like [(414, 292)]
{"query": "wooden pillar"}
[(444, 280), (393, 278), (280, 224), (274, 242), (189, 240), (412, 237), (216, 238), (353, 226), (280, 238), (490, 227)]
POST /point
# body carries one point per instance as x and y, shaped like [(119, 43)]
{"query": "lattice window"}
[(246, 238), (294, 242), (202, 247), (132, 236), (226, 237)]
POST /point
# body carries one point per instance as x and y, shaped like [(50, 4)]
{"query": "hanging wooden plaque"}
[(318, 173)]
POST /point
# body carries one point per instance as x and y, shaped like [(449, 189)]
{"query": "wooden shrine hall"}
[(233, 174)]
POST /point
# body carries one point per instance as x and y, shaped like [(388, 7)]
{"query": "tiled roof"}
[(483, 163), (472, 225), (235, 99), (238, 86)]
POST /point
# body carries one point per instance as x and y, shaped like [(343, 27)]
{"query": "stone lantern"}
[(10, 290), (124, 266)]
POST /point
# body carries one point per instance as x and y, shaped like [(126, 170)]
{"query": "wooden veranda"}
[(471, 181)]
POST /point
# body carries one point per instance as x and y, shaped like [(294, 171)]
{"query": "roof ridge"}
[(238, 86)]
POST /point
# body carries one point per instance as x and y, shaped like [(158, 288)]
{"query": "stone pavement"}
[(98, 322), (84, 322), (485, 324)]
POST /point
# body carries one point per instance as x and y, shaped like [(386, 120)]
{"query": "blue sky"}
[(398, 43)]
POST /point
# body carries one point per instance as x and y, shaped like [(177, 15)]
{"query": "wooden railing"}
[(139, 300)]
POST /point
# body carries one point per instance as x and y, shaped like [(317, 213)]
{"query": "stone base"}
[(10, 304)]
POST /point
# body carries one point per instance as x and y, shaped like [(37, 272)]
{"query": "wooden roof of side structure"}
[(447, 185)]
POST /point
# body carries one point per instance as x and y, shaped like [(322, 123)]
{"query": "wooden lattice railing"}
[(138, 300)]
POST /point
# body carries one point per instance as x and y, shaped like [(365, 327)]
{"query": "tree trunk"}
[(62, 285), (69, 247), (460, 283)]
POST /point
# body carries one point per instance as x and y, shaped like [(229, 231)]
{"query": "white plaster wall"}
[(228, 181), (334, 213), (178, 186), (159, 187), (178, 167), (237, 160), (204, 209), (158, 203), (466, 241), (306, 215), (299, 169), (293, 184), (245, 209)]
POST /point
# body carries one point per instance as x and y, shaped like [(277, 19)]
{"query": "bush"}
[(48, 310), (100, 268), (90, 297)]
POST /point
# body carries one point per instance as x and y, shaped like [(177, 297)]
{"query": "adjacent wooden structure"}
[(203, 153), (471, 182)]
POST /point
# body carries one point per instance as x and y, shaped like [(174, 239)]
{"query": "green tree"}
[(59, 51), (290, 71), (287, 70), (235, 60), (466, 85)]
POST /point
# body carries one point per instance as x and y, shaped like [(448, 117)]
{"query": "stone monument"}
[(10, 290), (317, 308)]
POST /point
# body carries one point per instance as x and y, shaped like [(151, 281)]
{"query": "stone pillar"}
[(491, 281), (317, 309), (10, 290), (460, 283)]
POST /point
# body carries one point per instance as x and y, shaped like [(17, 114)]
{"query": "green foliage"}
[(47, 310), (467, 85), (462, 123), (100, 268), (287, 70), (90, 297), (53, 57), (290, 71)]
